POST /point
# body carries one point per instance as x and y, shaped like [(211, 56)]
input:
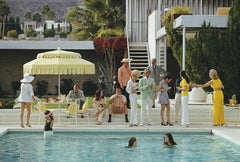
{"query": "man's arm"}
[(69, 96)]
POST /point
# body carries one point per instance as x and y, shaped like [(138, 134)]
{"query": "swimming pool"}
[(81, 146)]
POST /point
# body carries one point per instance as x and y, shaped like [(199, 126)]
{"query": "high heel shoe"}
[(170, 124), (163, 124)]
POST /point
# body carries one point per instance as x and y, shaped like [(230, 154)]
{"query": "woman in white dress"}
[(26, 98)]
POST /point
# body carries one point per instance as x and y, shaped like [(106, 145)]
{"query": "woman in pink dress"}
[(99, 104)]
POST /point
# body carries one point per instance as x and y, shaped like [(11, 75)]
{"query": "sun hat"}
[(136, 73), (126, 60), (27, 78)]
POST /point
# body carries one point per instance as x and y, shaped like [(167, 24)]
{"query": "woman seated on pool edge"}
[(168, 140), (132, 142)]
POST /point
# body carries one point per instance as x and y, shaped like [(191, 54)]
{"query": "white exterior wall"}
[(153, 26)]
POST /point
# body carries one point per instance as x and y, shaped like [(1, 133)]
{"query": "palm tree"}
[(37, 17), (47, 12), (28, 15), (94, 15), (4, 11)]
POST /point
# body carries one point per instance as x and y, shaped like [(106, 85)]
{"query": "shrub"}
[(42, 87), (12, 34), (66, 86), (1, 92), (49, 33), (89, 88), (110, 32), (15, 86), (31, 33), (63, 34)]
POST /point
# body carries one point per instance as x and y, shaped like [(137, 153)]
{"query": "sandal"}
[(28, 125), (21, 125), (98, 123)]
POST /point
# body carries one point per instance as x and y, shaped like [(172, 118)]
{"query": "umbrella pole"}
[(58, 98)]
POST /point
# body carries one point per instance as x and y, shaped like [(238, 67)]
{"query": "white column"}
[(184, 49)]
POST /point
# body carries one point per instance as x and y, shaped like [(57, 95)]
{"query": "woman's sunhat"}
[(27, 78)]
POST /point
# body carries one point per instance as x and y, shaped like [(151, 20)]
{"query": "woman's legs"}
[(162, 112), (29, 107), (168, 113), (21, 113)]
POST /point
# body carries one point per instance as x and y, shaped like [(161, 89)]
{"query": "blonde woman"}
[(131, 88), (218, 97)]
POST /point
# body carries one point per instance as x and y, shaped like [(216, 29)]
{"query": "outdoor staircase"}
[(139, 53)]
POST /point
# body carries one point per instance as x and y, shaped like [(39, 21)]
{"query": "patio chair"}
[(84, 111), (72, 112)]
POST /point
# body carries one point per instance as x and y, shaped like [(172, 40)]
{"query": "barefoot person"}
[(26, 98)]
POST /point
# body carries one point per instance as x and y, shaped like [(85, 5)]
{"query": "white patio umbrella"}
[(58, 62)]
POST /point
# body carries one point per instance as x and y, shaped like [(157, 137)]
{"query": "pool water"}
[(16, 146)]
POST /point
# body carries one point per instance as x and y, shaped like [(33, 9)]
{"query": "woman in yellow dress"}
[(218, 97)]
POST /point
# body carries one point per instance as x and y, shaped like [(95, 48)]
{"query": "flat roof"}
[(49, 45), (195, 21)]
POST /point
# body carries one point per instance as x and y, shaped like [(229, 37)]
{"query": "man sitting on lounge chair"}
[(76, 95)]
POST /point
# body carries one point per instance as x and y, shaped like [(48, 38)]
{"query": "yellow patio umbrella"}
[(58, 62)]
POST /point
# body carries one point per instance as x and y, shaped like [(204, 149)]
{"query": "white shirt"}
[(131, 85), (26, 93)]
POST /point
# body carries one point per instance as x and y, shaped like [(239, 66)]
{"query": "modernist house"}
[(146, 36)]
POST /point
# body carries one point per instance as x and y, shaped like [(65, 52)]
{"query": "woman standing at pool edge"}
[(218, 97), (184, 88), (26, 97)]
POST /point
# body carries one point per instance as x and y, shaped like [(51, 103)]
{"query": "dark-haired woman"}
[(164, 99), (49, 120), (132, 142), (168, 140), (99, 105), (184, 87)]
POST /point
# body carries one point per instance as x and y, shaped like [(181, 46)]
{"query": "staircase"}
[(138, 52)]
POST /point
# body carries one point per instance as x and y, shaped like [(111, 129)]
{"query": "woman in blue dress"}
[(163, 88)]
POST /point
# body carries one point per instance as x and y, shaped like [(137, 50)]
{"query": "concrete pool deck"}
[(200, 121)]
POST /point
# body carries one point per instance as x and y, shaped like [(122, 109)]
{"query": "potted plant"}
[(175, 12)]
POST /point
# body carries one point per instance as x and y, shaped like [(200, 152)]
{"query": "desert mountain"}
[(59, 7)]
